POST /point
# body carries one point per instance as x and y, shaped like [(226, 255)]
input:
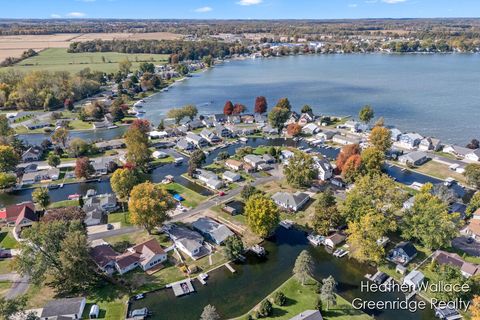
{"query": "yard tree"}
[(262, 215), (366, 114), (300, 170), (284, 103), (248, 191), (149, 204), (223, 155), (238, 108), (372, 161), (197, 158), (326, 215), (352, 168), (279, 298), (55, 253), (452, 275), (294, 129), (147, 67), (5, 129), (141, 124), (260, 104), (345, 153), (8, 158), (79, 147), (124, 66), (474, 203), (475, 307), (136, 140), (364, 233), (209, 313), (83, 168), (327, 293), (265, 309), (380, 138), (303, 268), (12, 307), (429, 222), (228, 108), (7, 180), (123, 181), (176, 114), (378, 192), (53, 160), (472, 173), (41, 197), (190, 111), (233, 247), (60, 137), (278, 116), (306, 108), (474, 144)]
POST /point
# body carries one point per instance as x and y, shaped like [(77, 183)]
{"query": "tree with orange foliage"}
[(346, 152), (238, 108), (142, 124), (351, 168), (475, 308), (260, 105), (228, 108), (294, 129), (83, 168)]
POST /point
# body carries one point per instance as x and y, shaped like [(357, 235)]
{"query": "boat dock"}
[(229, 267), (182, 287), (287, 224), (259, 250), (202, 278)]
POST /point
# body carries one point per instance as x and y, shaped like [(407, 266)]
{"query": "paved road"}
[(114, 232), (461, 243), (19, 284)]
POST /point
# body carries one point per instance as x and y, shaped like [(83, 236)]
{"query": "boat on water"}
[(287, 224), (178, 160), (53, 186), (315, 240), (74, 196), (449, 181), (112, 126), (259, 250), (340, 253)]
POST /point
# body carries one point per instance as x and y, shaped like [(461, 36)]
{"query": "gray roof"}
[(414, 156), (178, 232), (217, 231), (59, 307), (231, 175), (308, 315), (290, 199), (184, 144)]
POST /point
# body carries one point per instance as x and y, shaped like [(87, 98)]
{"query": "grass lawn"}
[(64, 203), (440, 170), (121, 217), (168, 159), (58, 59), (4, 287), (6, 266), (7, 240), (79, 125), (301, 298), (192, 199)]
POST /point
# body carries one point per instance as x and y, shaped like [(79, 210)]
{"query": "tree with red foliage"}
[(228, 108), (346, 152), (260, 104), (238, 108), (83, 168), (142, 124), (68, 104), (294, 129), (351, 168)]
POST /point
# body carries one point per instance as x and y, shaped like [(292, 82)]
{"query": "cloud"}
[(393, 1), (76, 14), (353, 5), (203, 9), (249, 2), (55, 16)]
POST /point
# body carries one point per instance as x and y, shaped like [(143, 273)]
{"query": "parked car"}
[(110, 226)]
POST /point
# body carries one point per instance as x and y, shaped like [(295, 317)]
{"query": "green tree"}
[(278, 116), (300, 170), (381, 138), (284, 103), (7, 180), (326, 215), (5, 129), (474, 203), (265, 309), (223, 155), (429, 222), (303, 268), (366, 114), (279, 298), (147, 67), (248, 191), (79, 147), (472, 173), (8, 158), (149, 204), (124, 66), (372, 161), (161, 125), (60, 137), (176, 114), (190, 111), (10, 307), (138, 152), (209, 313), (123, 181), (306, 108), (233, 247), (328, 291), (41, 197), (262, 215), (53, 160), (197, 158)]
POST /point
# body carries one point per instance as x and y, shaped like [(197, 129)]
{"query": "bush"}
[(318, 287), (279, 298), (319, 304), (265, 309)]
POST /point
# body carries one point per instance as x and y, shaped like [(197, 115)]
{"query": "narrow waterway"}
[(235, 294)]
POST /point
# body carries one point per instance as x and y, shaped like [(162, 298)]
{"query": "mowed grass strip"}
[(58, 59)]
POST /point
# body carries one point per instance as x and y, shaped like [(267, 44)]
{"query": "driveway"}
[(102, 228), (19, 284), (472, 249)]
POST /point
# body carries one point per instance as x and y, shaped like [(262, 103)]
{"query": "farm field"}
[(14, 46), (58, 59)]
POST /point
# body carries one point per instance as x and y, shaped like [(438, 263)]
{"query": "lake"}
[(435, 95)]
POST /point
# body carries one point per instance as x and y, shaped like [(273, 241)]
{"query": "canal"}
[(234, 294)]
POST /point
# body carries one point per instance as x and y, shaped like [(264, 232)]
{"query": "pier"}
[(229, 267)]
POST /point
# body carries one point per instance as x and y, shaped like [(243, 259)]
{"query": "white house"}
[(231, 176), (291, 201), (324, 168), (254, 160), (410, 140), (68, 308), (474, 155), (195, 139), (310, 129), (414, 279), (145, 255)]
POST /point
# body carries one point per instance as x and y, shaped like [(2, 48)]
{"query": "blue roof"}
[(178, 197)]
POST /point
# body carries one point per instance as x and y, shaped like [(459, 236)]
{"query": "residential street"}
[(19, 284), (111, 233)]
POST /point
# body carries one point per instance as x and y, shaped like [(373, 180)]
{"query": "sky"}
[(238, 9)]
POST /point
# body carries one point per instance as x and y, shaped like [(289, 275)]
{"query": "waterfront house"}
[(209, 178), (428, 143), (210, 136), (345, 140), (234, 119), (159, 154), (286, 154), (212, 230), (208, 123), (395, 134), (466, 268), (184, 144), (38, 125), (260, 118), (254, 160), (31, 167), (305, 118), (37, 176), (268, 129), (104, 257), (10, 214), (219, 117), (110, 145), (308, 315), (234, 164), (473, 155), (198, 141), (410, 140), (447, 313), (97, 207), (403, 253), (268, 158), (146, 255), (231, 176), (32, 154), (291, 201), (352, 125), (248, 118), (222, 131), (326, 135), (324, 168), (457, 151), (415, 158), (194, 124), (26, 218), (66, 308), (292, 119), (158, 134), (413, 280), (101, 165), (334, 240), (186, 240), (310, 129)]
